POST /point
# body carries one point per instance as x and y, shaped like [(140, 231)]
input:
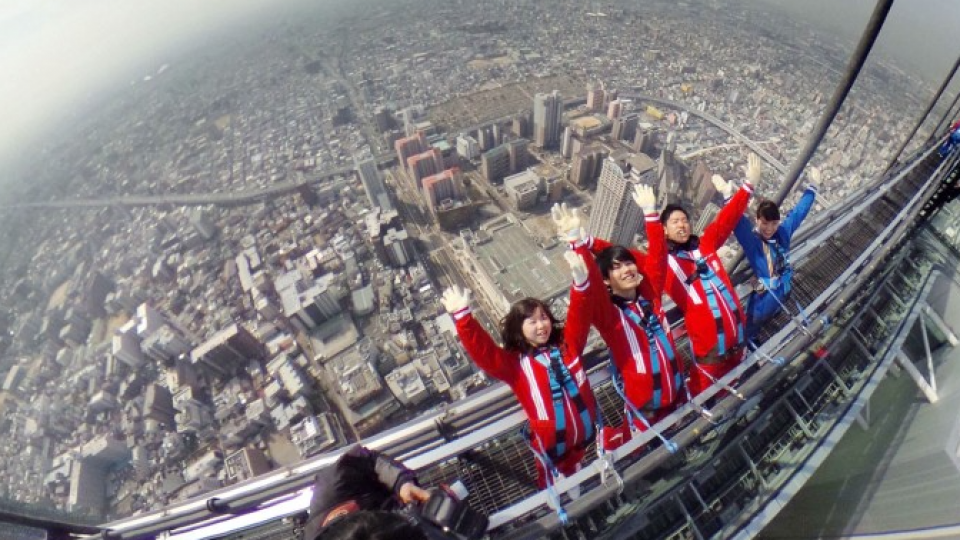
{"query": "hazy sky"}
[(55, 52), (921, 34)]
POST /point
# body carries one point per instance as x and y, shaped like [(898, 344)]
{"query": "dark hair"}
[(611, 255), (669, 209), (511, 326), (768, 210), (371, 525)]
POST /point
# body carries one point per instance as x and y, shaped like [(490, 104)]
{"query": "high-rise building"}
[(201, 222), (625, 127), (307, 303), (228, 350), (521, 124), (373, 183), (126, 345), (615, 216), (398, 246), (384, 119), (615, 109), (408, 121), (468, 147), (441, 187), (701, 189), (566, 142), (596, 97), (707, 216), (425, 164), (519, 156), (523, 189), (645, 141), (410, 146), (586, 166), (495, 164), (547, 119), (487, 138), (158, 405)]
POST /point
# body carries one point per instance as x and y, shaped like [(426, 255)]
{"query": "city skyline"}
[(385, 168)]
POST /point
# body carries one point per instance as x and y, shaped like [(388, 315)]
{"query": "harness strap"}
[(659, 348), (561, 383)]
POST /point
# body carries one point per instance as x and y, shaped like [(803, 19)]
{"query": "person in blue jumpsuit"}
[(951, 141), (766, 247)]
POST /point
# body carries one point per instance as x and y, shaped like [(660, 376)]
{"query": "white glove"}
[(724, 252), (645, 199), (722, 186), (814, 176), (754, 169), (568, 222), (455, 299), (578, 268)]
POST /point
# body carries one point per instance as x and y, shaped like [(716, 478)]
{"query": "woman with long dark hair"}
[(540, 361)]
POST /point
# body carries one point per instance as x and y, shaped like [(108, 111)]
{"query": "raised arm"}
[(800, 211), (494, 360), (576, 329), (570, 228), (716, 233), (748, 240), (654, 264)]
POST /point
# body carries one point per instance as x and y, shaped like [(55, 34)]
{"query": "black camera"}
[(446, 516)]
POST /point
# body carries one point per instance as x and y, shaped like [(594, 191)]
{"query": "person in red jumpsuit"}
[(699, 285), (630, 317), (541, 362)]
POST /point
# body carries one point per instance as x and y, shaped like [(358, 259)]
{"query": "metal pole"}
[(926, 112), (867, 40)]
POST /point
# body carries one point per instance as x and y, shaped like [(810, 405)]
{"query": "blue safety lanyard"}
[(657, 341), (711, 284), (560, 381), (632, 414)]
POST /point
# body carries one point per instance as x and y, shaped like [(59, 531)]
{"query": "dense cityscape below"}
[(153, 351)]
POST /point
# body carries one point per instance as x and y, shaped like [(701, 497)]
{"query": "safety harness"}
[(713, 287), (560, 380), (658, 343)]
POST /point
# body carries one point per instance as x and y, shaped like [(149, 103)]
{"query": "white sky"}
[(53, 52)]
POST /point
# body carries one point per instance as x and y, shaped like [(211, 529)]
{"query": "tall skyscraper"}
[(596, 97), (547, 115), (615, 216), (373, 183)]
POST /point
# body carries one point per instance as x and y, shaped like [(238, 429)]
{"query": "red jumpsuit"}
[(709, 302), (529, 379), (655, 396)]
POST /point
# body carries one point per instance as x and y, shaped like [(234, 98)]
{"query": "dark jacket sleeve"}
[(367, 478)]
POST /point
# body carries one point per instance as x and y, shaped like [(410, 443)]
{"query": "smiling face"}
[(623, 279), (767, 228), (677, 227), (537, 327)]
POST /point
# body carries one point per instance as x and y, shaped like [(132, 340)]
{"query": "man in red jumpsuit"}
[(699, 285)]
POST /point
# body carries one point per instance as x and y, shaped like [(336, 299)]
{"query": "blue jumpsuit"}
[(950, 143), (770, 262)]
